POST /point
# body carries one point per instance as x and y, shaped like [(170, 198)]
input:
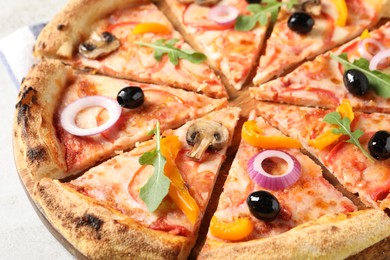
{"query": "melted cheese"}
[(308, 199), (228, 50), (344, 160), (133, 124), (134, 61), (117, 182), (286, 48), (320, 82)]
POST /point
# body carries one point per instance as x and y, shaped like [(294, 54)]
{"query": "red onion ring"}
[(384, 54), (70, 112), (362, 47), (274, 182), (223, 14)]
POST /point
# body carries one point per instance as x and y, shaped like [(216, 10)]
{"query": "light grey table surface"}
[(22, 234)]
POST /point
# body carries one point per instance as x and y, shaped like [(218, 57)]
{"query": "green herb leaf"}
[(157, 186), (378, 80), (162, 47), (260, 14), (344, 124)]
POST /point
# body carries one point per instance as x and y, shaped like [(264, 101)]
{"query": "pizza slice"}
[(353, 146), (325, 82), (311, 28), (127, 39), (67, 120), (274, 195), (104, 212), (209, 26)]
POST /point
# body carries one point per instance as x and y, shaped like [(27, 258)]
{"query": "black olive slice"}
[(131, 97), (300, 22), (356, 82), (379, 145), (263, 205)]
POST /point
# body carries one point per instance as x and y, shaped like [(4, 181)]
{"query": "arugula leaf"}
[(379, 81), (157, 186), (344, 124), (162, 47), (260, 14)]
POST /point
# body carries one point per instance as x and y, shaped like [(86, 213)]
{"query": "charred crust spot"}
[(33, 95), (28, 96), (22, 113), (91, 221), (334, 228), (36, 153), (61, 27)]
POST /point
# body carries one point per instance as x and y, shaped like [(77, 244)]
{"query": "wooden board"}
[(381, 250)]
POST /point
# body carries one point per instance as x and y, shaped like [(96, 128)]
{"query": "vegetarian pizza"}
[(134, 117), (335, 75), (272, 189)]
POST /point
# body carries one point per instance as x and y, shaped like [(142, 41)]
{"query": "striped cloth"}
[(16, 52)]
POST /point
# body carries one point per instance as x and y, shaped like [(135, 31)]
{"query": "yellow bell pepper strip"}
[(253, 135), (178, 192), (237, 230), (328, 137), (142, 28), (342, 10), (365, 34), (345, 109)]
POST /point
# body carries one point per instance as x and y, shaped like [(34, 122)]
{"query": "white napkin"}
[(16, 51)]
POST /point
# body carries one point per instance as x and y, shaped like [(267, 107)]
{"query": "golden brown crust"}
[(73, 24), (330, 237), (100, 233), (33, 124)]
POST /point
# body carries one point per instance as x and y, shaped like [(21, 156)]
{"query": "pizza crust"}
[(102, 233), (38, 144), (335, 236), (69, 27)]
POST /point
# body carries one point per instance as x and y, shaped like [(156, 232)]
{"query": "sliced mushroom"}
[(313, 7), (99, 45), (204, 134)]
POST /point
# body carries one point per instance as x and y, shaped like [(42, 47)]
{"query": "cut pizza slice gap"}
[(367, 177), (336, 23), (102, 212), (254, 217), (232, 52), (127, 39), (320, 83), (52, 149)]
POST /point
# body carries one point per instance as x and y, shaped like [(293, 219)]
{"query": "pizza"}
[(111, 38), (133, 136), (108, 196), (320, 83), (232, 52), (319, 29), (264, 197), (359, 173), (52, 151)]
